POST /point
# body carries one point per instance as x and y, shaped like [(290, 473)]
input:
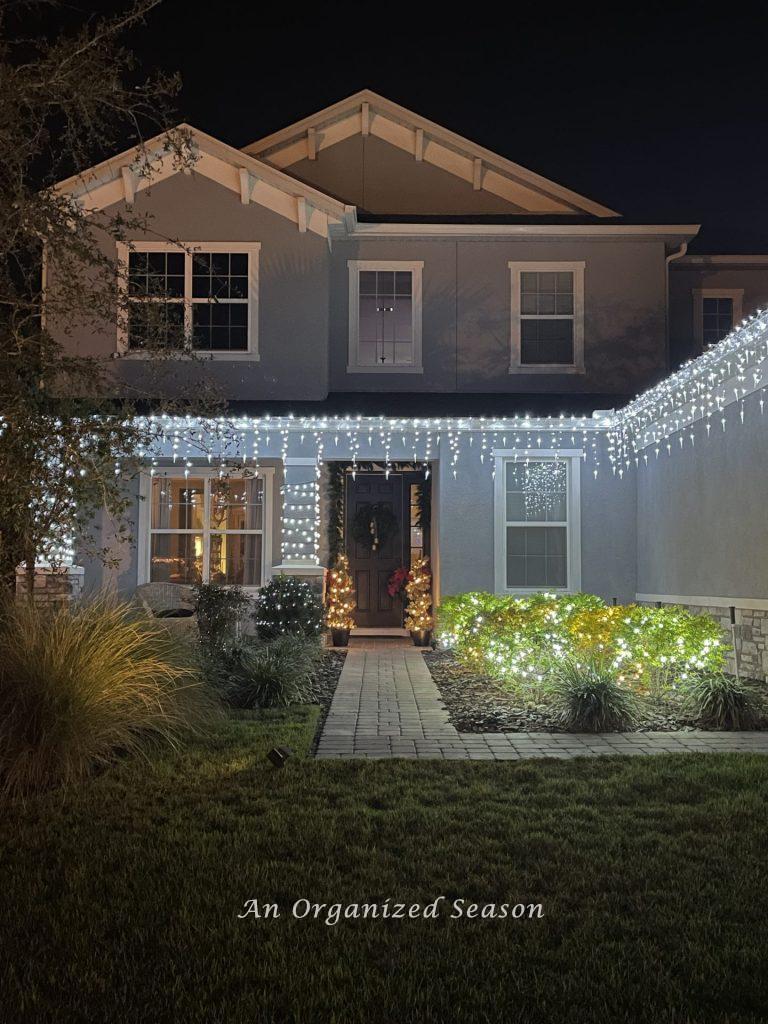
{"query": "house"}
[(439, 348)]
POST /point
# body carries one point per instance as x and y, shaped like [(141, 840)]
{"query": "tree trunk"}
[(8, 563), (29, 572)]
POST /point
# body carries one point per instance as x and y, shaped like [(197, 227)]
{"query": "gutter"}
[(676, 255)]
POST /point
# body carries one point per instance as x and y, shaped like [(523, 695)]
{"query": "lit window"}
[(384, 316), (202, 299), (207, 529), (537, 523), (547, 317)]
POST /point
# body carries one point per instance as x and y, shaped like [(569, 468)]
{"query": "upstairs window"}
[(202, 299), (716, 312), (547, 317), (384, 316)]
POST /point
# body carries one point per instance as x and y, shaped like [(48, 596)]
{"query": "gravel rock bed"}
[(476, 703)]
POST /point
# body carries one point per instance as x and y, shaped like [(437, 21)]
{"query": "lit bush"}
[(587, 697), (518, 639), (288, 605), (80, 685), (720, 701)]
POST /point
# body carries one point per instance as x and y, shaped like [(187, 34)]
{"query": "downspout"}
[(672, 256)]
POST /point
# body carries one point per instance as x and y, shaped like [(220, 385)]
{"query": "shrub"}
[(79, 685), (219, 611), (517, 639), (588, 697), (275, 673), (720, 701), (288, 605)]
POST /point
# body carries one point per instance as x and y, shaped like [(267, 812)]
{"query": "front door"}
[(372, 566)]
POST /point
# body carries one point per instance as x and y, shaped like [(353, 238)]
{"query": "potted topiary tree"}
[(340, 602), (418, 589)]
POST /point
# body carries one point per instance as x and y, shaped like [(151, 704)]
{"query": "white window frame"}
[(145, 531), (189, 248), (516, 269), (736, 295), (573, 457), (355, 266)]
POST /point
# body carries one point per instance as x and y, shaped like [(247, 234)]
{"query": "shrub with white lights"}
[(287, 605), (517, 639)]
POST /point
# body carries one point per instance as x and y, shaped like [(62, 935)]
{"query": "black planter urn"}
[(421, 637), (340, 637)]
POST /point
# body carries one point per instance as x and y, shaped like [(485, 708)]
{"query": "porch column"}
[(300, 520)]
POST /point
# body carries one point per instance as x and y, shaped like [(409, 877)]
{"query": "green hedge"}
[(518, 638)]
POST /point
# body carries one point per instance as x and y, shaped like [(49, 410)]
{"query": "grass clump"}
[(588, 697), (81, 684), (721, 701), (273, 674)]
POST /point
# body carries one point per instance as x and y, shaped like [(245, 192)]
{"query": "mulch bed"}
[(477, 703), (324, 685)]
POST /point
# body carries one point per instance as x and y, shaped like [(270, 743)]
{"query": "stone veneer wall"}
[(53, 586), (751, 636)]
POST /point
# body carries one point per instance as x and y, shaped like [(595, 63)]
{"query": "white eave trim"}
[(251, 180), (757, 259), (652, 232), (366, 104)]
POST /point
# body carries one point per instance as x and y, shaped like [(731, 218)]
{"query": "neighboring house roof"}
[(366, 113), (117, 179)]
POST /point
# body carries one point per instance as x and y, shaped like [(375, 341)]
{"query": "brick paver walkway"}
[(387, 705)]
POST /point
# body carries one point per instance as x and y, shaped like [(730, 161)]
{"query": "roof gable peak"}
[(368, 113)]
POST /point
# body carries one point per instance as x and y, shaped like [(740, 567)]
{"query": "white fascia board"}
[(414, 121), (652, 232)]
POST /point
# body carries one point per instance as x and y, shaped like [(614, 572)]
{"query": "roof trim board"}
[(426, 141), (252, 180)]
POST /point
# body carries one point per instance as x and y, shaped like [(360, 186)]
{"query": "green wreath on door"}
[(374, 525)]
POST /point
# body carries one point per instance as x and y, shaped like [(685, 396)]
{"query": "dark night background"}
[(659, 114)]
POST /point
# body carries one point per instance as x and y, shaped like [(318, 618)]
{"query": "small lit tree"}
[(418, 590), (340, 602)]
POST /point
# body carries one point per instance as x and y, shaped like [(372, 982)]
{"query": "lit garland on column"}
[(418, 591), (340, 603)]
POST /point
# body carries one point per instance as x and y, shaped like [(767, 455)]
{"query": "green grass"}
[(119, 900)]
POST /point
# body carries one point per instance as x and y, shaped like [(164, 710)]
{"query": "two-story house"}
[(395, 310)]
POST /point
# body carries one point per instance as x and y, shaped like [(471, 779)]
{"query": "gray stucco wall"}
[(684, 278), (382, 179), (466, 530), (467, 310), (463, 525), (703, 513), (293, 292)]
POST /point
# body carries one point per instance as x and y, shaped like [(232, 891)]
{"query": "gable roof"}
[(252, 180), (367, 113)]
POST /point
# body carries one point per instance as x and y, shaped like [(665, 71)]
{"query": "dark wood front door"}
[(371, 569)]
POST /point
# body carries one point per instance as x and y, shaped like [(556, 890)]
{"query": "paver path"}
[(387, 705)]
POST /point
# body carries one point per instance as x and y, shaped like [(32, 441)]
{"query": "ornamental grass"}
[(519, 639), (81, 685), (588, 697)]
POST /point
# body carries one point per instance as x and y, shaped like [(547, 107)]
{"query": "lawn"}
[(120, 902)]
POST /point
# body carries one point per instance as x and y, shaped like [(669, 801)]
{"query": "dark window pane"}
[(546, 341), (239, 264)]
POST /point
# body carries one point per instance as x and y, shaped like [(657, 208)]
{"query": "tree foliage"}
[(68, 436)]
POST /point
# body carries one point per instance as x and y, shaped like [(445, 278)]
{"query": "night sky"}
[(660, 115)]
